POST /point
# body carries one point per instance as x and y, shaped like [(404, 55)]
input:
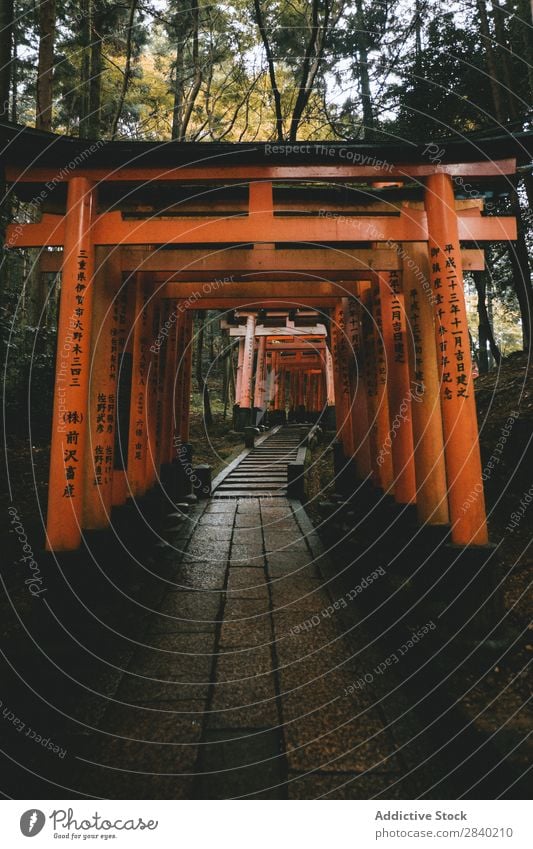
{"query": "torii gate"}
[(271, 343), (144, 233)]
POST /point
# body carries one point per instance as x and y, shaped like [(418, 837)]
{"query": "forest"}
[(285, 71)]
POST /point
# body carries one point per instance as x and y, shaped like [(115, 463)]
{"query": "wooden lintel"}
[(340, 172), (296, 291), (195, 265), (112, 229)]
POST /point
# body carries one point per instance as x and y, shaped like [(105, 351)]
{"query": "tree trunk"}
[(203, 389), (85, 71), (519, 258), (364, 77), (6, 66), (45, 67), (524, 43), (96, 68), (310, 66), (127, 71), (486, 335), (271, 70), (188, 106), (492, 64), (6, 56), (177, 108), (503, 53)]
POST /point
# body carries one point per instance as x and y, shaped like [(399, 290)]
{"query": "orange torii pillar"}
[(321, 391), (152, 395), (185, 377), (300, 394), (244, 413), (170, 353), (376, 384), (162, 354), (312, 394), (138, 435), (238, 381), (400, 438), (71, 393), (292, 399), (330, 391), (269, 358), (125, 307), (308, 393), (340, 354), (356, 372), (459, 419), (259, 388), (274, 404), (281, 401), (99, 456), (171, 345), (177, 394), (430, 469), (182, 403)]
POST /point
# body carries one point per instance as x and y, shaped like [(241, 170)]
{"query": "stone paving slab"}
[(296, 564), (245, 691), (251, 675), (199, 575), (247, 520), (249, 554), (295, 591), (248, 766), (247, 582), (346, 785), (185, 612), (106, 783), (327, 741), (159, 722), (247, 623), (137, 688)]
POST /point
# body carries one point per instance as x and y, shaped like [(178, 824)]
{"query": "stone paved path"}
[(229, 692)]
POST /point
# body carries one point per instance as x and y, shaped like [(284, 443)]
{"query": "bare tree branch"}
[(315, 47), (127, 71), (271, 69)]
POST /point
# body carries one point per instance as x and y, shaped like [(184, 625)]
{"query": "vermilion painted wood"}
[(213, 266), (112, 229), (186, 367), (71, 392), (259, 388), (459, 418), (170, 346), (120, 483), (393, 323), (138, 431), (430, 470), (248, 363), (244, 173), (99, 454), (360, 426), (152, 388), (378, 404)]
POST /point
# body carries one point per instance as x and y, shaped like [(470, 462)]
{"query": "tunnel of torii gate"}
[(283, 371), (366, 260)]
